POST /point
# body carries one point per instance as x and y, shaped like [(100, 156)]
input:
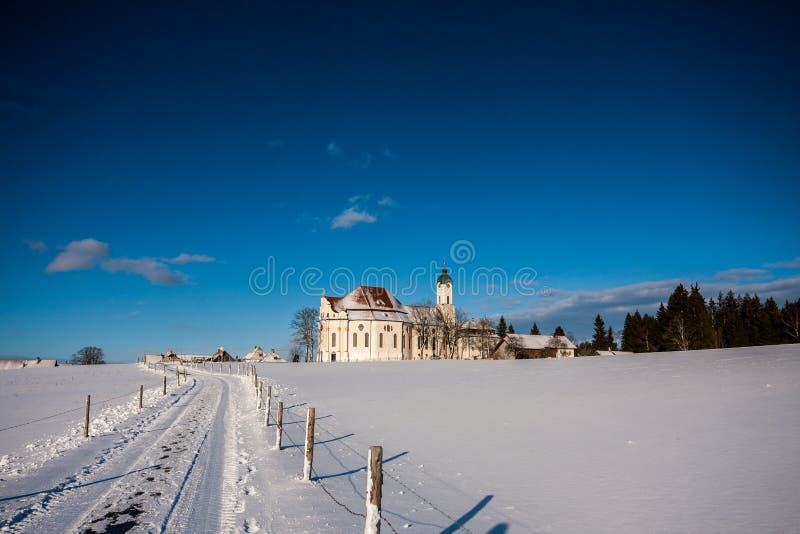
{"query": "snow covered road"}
[(158, 472)]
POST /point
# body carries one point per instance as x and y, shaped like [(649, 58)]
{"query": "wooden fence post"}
[(86, 417), (374, 487), (266, 409), (258, 395), (165, 386), (178, 376), (309, 458), (279, 426), (141, 394)]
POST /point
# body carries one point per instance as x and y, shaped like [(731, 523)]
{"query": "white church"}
[(370, 324)]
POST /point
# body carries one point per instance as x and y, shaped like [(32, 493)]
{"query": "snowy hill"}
[(702, 441)]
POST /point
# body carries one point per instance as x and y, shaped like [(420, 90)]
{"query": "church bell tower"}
[(444, 291)]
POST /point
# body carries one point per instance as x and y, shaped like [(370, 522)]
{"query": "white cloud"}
[(358, 198), (742, 274), (36, 245), (334, 150), (791, 264), (386, 201), (79, 256), (350, 217), (184, 258), (150, 268)]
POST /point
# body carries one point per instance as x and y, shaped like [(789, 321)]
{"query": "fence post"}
[(258, 395), (374, 487), (165, 386), (266, 409), (141, 394), (86, 417), (309, 460), (279, 426), (178, 376)]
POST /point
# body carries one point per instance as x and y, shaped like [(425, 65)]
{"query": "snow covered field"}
[(679, 442)]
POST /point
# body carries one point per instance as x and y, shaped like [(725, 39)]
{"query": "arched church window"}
[(448, 299), (380, 340), (355, 339), (366, 340), (333, 339), (395, 341)]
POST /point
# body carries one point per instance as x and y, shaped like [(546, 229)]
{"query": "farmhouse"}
[(370, 324), (524, 346)]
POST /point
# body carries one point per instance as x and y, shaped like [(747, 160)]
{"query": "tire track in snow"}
[(43, 507)]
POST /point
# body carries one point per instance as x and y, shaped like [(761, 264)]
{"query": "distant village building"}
[(371, 324), (525, 346), (258, 355), (221, 356), (34, 363)]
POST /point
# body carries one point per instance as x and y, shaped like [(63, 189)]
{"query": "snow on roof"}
[(528, 341), (371, 298)]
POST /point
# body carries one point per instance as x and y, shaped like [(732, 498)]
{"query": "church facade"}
[(371, 324)]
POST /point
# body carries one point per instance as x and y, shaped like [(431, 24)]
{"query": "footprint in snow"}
[(251, 525)]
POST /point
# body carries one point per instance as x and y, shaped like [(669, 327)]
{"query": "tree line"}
[(689, 322)]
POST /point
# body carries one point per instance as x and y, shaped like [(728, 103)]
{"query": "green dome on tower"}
[(444, 278)]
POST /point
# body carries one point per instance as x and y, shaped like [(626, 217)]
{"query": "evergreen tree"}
[(662, 323), (511, 329), (501, 327), (627, 333), (633, 333), (559, 331), (610, 339), (599, 339), (700, 327), (534, 330), (651, 334), (771, 325)]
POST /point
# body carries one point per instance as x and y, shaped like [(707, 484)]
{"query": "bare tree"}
[(791, 321), (554, 346), (450, 329), (678, 334), (424, 325), (485, 331), (88, 356), (304, 330), (514, 346)]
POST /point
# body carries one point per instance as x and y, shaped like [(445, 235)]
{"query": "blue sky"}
[(153, 159)]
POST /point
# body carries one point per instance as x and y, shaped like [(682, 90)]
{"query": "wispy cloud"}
[(386, 201), (743, 274), (350, 217), (361, 161), (150, 268), (334, 150), (386, 153), (79, 256), (36, 245), (359, 198), (791, 264), (86, 254), (184, 258)]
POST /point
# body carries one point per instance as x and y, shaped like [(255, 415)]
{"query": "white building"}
[(370, 324), (525, 346)]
